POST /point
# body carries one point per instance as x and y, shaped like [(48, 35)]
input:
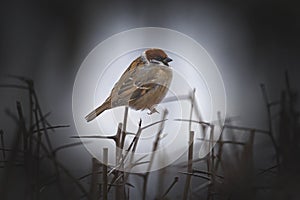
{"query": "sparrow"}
[(143, 85)]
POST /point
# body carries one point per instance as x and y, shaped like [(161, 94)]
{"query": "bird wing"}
[(129, 87), (134, 83)]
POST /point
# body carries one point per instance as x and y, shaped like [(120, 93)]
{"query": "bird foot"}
[(152, 110)]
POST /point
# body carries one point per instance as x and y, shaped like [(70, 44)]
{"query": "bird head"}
[(157, 56)]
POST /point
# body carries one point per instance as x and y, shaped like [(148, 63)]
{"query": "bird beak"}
[(167, 60)]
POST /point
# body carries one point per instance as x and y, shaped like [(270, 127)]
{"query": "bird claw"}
[(152, 110)]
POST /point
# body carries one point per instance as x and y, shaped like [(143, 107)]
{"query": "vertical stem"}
[(268, 105), (124, 127), (94, 181), (2, 144), (251, 147), (118, 143), (30, 85), (212, 148), (37, 184), (155, 145), (121, 189), (190, 166), (104, 175), (220, 145), (39, 112), (192, 108), (118, 189), (212, 165), (22, 125), (6, 180)]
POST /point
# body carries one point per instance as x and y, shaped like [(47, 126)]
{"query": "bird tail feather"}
[(92, 115)]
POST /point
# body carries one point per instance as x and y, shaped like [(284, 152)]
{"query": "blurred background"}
[(252, 42)]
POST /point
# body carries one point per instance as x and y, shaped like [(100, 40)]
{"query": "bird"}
[(142, 86)]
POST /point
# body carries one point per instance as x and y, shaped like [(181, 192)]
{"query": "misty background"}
[(252, 42)]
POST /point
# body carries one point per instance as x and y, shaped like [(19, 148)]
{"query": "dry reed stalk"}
[(175, 98), (118, 143), (269, 116), (40, 119), (190, 166), (43, 121), (170, 188), (207, 173), (28, 138), (2, 144), (125, 119), (192, 109), (10, 163), (94, 179), (212, 149), (30, 131), (196, 175), (120, 132), (37, 155), (60, 166), (211, 163), (245, 129), (154, 148), (120, 189), (52, 128), (220, 143), (104, 174)]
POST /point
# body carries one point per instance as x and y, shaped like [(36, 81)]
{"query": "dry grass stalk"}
[(94, 192), (2, 144), (269, 115), (190, 166), (170, 188), (12, 157), (104, 174), (154, 148)]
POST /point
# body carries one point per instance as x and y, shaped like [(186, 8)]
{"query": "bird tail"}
[(92, 115)]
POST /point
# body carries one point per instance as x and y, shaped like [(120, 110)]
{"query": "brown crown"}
[(155, 54)]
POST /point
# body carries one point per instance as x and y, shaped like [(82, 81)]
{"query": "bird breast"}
[(146, 83)]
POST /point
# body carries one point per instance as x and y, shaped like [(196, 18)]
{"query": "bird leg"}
[(152, 110)]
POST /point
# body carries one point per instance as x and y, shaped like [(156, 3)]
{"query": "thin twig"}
[(222, 142), (268, 169), (175, 98), (169, 188), (246, 129), (14, 86), (207, 173), (52, 128), (194, 121), (197, 175)]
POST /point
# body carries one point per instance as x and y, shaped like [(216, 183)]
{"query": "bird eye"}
[(158, 58)]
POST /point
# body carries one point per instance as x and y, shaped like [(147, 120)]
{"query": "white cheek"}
[(144, 58), (158, 62)]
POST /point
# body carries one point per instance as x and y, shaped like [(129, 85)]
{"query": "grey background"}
[(251, 42)]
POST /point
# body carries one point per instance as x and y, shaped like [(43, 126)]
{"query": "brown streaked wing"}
[(140, 91)]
